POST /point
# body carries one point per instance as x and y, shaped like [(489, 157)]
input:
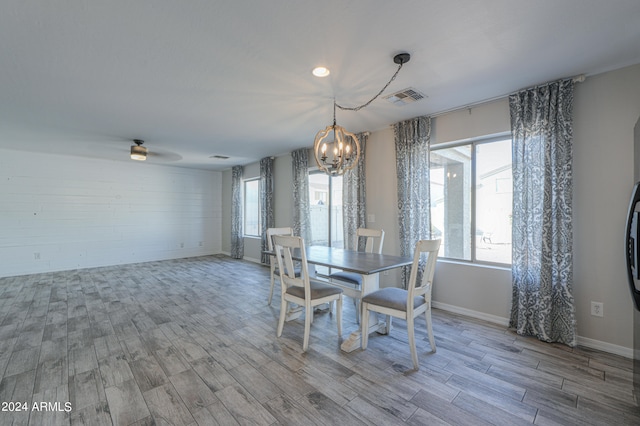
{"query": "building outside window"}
[(252, 225), (471, 200)]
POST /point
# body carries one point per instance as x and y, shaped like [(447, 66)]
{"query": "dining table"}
[(368, 265)]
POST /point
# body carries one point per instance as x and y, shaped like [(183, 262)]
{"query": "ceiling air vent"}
[(404, 97), (220, 157)]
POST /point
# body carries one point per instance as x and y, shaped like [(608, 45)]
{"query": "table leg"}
[(370, 283), (293, 313)]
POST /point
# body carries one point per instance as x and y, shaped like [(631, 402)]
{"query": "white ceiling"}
[(200, 78)]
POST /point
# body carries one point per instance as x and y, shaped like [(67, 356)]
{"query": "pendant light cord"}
[(371, 100)]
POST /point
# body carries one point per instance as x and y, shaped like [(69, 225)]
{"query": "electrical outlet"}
[(597, 309), (36, 256), (181, 245), (371, 218)]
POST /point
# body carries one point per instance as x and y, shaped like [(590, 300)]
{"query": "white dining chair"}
[(274, 272), (300, 289), (373, 241), (407, 304)]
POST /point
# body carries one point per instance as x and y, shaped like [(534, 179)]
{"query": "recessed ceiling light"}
[(321, 71)]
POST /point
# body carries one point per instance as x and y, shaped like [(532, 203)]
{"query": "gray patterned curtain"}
[(266, 203), (354, 214), (301, 212), (542, 265), (412, 138), (237, 238)]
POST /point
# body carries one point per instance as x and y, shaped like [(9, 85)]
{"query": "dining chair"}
[(300, 289), (274, 272), (373, 240), (407, 304)]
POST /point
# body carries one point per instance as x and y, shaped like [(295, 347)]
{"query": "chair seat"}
[(318, 290), (393, 298), (349, 277)]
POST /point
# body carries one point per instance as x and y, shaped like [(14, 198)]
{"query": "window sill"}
[(252, 237), (476, 265)]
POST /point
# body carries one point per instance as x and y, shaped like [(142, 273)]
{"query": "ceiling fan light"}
[(138, 153)]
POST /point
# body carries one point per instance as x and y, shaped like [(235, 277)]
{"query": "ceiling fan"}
[(140, 153)]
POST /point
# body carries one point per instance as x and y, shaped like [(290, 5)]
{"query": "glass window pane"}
[(252, 207), (337, 233), (450, 178), (319, 208), (325, 197), (494, 190)]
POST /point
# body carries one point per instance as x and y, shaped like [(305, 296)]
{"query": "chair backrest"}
[(284, 245), (277, 231), (422, 269), (374, 238)]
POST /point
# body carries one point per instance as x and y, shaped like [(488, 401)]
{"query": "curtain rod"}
[(577, 79)]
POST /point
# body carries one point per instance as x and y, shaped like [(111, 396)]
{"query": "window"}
[(471, 198), (252, 225), (325, 196)]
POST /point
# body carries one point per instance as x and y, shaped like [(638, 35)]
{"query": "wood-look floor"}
[(192, 341)]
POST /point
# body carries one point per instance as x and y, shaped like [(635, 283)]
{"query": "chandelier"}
[(337, 150), (339, 155)]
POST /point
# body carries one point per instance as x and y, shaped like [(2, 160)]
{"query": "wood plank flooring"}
[(192, 342)]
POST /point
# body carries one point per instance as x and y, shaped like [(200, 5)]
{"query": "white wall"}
[(61, 212), (606, 108), (382, 195)]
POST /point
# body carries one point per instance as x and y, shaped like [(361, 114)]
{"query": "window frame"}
[(329, 201), (245, 205), (473, 143)]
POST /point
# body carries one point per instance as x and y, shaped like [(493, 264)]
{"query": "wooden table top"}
[(354, 261)]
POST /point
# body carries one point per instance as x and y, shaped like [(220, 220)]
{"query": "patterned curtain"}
[(266, 203), (542, 265), (354, 214), (412, 139), (237, 238), (301, 212)]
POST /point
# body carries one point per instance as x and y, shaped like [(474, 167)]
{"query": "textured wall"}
[(61, 212)]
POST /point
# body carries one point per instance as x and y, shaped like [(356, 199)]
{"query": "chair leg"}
[(364, 338), (389, 318), (339, 315), (432, 341), (283, 313), (271, 290), (308, 318), (356, 303), (412, 341)]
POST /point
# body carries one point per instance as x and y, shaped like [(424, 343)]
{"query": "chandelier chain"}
[(358, 108)]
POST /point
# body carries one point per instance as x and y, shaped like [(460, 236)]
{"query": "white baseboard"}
[(248, 259), (605, 347), (470, 313), (582, 341)]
